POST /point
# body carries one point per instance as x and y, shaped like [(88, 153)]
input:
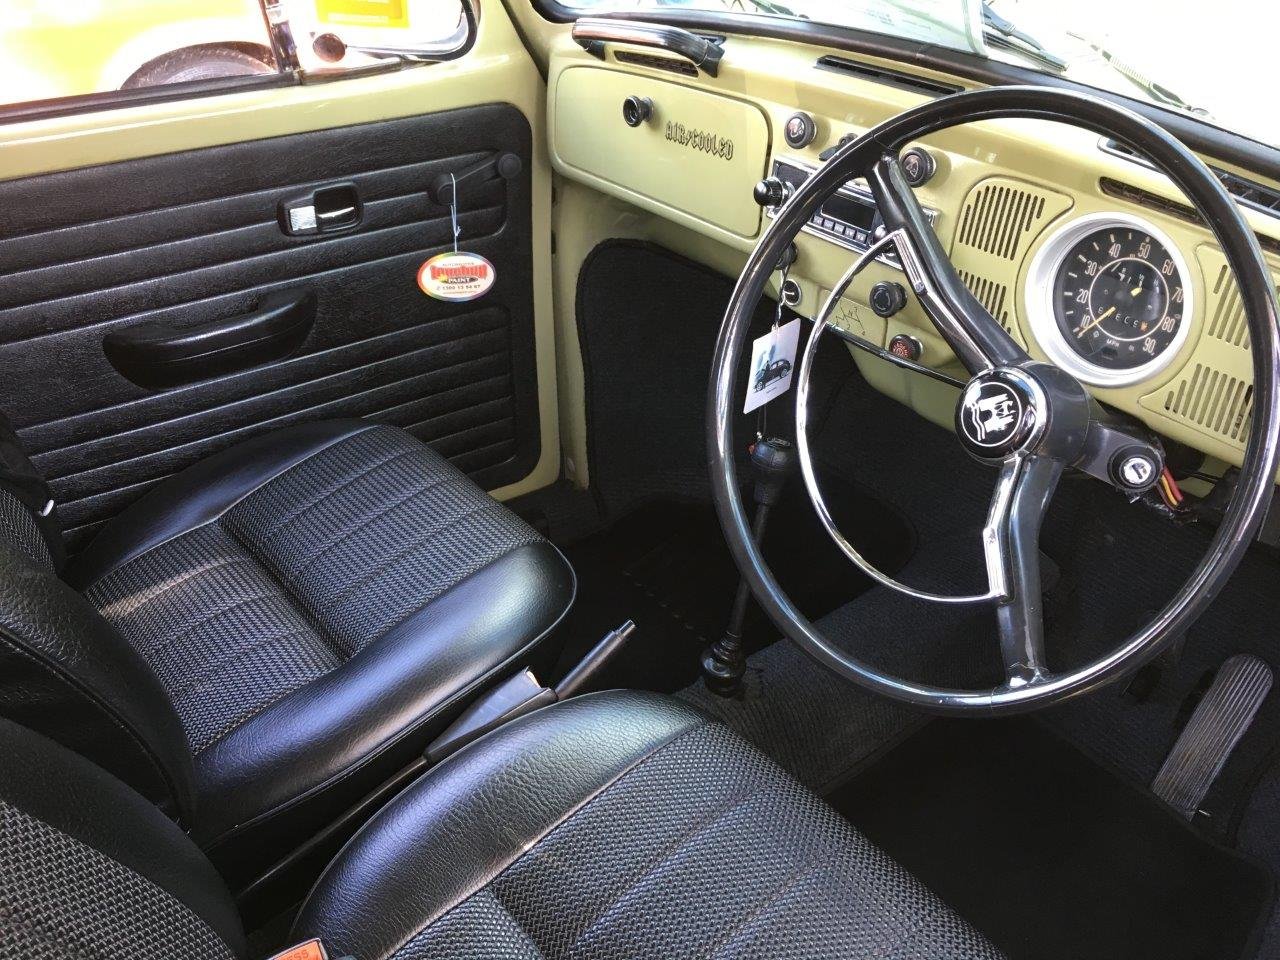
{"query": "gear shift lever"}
[(773, 460)]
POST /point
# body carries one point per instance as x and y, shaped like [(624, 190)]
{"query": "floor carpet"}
[(1051, 855)]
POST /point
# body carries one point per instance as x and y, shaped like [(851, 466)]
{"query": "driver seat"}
[(608, 826)]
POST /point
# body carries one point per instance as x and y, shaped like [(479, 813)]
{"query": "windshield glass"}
[(1212, 60)]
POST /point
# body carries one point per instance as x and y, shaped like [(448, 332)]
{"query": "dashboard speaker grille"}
[(1213, 400), (1228, 322), (994, 296), (999, 218)]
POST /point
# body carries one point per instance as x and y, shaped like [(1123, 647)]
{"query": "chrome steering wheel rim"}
[(1027, 685)]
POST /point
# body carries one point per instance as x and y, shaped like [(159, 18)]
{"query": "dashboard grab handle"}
[(592, 33)]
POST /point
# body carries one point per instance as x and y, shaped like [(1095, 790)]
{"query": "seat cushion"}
[(621, 825), (315, 599)]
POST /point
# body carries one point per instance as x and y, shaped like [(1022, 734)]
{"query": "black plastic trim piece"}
[(1200, 136), (154, 355)]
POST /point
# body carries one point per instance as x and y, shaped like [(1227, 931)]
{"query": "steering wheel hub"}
[(1000, 414)]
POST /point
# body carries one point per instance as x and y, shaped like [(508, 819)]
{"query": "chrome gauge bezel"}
[(1039, 301)]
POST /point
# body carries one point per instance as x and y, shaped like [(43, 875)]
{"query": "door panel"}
[(190, 238)]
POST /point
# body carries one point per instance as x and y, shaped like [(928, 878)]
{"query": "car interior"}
[(676, 479)]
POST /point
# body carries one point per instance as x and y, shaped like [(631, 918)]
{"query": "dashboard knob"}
[(887, 298), (636, 110), (771, 192), (918, 166), (800, 130), (907, 347)]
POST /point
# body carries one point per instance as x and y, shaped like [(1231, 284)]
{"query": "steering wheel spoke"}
[(969, 329), (1011, 543)]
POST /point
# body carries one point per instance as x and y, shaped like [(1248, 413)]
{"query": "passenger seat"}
[(264, 638)]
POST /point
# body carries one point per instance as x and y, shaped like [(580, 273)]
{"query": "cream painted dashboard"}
[(1001, 189)]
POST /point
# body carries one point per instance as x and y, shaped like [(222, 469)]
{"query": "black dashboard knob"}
[(918, 166), (636, 110), (907, 347), (887, 298), (800, 130), (771, 192)]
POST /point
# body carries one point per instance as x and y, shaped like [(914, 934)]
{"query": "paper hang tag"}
[(456, 276), (311, 950), (773, 360)]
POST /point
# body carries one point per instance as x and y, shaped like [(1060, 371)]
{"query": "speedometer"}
[(1109, 299)]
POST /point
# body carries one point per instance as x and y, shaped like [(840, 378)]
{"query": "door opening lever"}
[(330, 209), (504, 165)]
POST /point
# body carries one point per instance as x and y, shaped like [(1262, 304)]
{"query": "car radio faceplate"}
[(848, 218)]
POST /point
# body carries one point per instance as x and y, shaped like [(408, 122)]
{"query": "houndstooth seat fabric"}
[(616, 825), (623, 825)]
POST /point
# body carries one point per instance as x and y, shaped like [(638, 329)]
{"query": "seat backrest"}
[(88, 868), (68, 674), (64, 670)]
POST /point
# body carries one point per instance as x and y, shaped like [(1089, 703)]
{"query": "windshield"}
[(1213, 60)]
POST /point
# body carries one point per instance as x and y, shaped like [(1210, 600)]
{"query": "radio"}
[(849, 218)]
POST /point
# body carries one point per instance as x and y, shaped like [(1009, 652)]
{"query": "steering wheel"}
[(1049, 422)]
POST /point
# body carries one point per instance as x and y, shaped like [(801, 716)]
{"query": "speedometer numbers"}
[(1118, 298), (1109, 299)]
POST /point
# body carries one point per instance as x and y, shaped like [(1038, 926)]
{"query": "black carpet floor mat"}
[(1049, 854), (666, 566)]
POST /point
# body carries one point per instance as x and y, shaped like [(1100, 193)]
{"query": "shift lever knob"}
[(773, 460)]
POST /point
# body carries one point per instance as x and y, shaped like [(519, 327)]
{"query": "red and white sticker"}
[(456, 276), (311, 950)]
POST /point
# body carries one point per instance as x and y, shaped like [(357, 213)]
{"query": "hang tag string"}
[(453, 211), (762, 418)]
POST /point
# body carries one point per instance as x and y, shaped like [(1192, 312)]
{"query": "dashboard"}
[(1087, 256)]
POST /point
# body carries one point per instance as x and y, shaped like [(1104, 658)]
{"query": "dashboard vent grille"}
[(1214, 400), (997, 218), (1228, 322), (892, 78), (682, 67), (994, 296), (1145, 198), (1256, 195)]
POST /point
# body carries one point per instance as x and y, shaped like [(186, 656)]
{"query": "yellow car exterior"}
[(51, 49), (54, 49)]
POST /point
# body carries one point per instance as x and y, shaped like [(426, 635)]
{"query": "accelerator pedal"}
[(1216, 726)]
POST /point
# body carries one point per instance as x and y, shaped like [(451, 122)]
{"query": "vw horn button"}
[(1000, 413)]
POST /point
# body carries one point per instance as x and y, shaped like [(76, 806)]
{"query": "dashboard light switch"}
[(800, 130), (918, 166), (907, 347)]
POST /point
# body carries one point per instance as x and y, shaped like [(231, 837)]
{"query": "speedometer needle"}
[(1095, 321)]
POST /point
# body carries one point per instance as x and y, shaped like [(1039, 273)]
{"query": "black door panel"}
[(193, 239)]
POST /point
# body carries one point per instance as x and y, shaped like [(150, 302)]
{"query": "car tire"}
[(198, 63)]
